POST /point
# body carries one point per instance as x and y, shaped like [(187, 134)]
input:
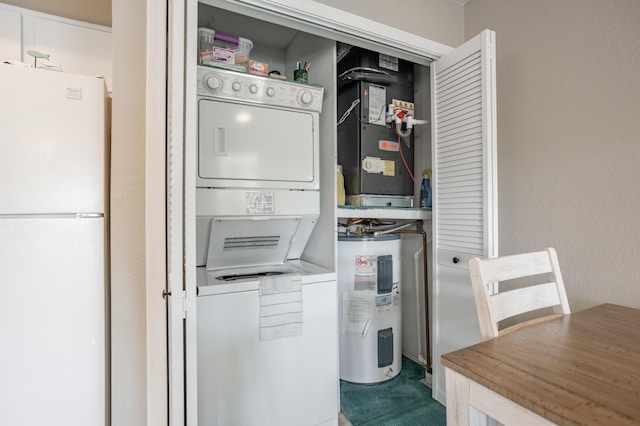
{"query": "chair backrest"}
[(494, 306)]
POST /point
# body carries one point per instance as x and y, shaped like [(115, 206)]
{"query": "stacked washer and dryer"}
[(257, 203)]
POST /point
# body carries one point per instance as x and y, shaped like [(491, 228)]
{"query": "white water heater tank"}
[(369, 308)]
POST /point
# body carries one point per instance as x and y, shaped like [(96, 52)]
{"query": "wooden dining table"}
[(580, 369)]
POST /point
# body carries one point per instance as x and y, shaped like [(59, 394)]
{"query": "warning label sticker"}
[(260, 202), (356, 314), (373, 165)]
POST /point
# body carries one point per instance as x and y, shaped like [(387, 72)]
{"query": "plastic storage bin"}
[(211, 46)]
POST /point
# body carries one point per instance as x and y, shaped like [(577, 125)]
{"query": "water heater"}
[(370, 308)]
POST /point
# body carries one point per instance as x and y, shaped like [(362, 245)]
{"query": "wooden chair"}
[(494, 306)]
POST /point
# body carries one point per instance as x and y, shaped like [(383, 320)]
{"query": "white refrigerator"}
[(53, 248)]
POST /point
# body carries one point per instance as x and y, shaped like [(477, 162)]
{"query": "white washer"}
[(244, 380)]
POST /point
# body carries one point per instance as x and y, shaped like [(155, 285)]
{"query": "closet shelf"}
[(383, 213)]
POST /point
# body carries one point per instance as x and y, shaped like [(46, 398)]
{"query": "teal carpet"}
[(401, 401)]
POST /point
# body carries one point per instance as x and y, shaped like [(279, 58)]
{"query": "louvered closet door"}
[(465, 199)]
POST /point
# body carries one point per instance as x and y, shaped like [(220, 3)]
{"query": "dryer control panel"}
[(227, 84)]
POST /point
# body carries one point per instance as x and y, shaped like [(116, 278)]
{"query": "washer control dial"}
[(213, 82), (228, 84), (305, 97)]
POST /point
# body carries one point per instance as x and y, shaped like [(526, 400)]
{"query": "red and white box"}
[(258, 68)]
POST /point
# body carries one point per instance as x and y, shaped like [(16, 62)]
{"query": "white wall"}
[(569, 137)]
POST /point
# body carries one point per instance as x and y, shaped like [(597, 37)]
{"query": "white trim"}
[(491, 122), (339, 25), (349, 23), (189, 211), (175, 57), (156, 214)]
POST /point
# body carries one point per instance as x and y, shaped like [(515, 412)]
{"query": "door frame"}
[(307, 16)]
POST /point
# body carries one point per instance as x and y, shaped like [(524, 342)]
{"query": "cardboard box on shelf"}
[(258, 68)]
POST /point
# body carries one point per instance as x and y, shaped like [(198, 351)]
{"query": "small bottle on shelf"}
[(340, 185), (425, 189)]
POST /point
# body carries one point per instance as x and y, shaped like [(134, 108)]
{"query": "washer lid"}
[(250, 241)]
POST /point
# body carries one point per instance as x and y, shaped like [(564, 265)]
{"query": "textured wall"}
[(93, 11), (569, 137), (128, 257), (437, 20)]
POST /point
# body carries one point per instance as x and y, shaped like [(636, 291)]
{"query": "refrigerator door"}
[(52, 322), (52, 149)]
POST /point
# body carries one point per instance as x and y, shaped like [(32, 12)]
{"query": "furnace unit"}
[(374, 159)]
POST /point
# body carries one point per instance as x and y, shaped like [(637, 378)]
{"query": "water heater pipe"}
[(416, 261), (392, 230), (426, 289)]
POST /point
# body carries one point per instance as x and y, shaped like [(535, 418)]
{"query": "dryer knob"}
[(306, 98), (271, 92), (236, 86), (213, 82), (253, 89)]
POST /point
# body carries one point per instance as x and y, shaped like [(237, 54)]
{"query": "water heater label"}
[(364, 278), (356, 314), (366, 264), (364, 282)]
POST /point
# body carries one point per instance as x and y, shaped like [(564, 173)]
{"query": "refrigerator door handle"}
[(52, 216)]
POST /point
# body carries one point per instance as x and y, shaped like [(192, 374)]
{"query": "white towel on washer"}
[(280, 306)]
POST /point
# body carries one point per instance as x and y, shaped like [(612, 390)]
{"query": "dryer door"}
[(245, 145)]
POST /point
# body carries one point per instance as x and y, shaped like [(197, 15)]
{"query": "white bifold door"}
[(465, 190)]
